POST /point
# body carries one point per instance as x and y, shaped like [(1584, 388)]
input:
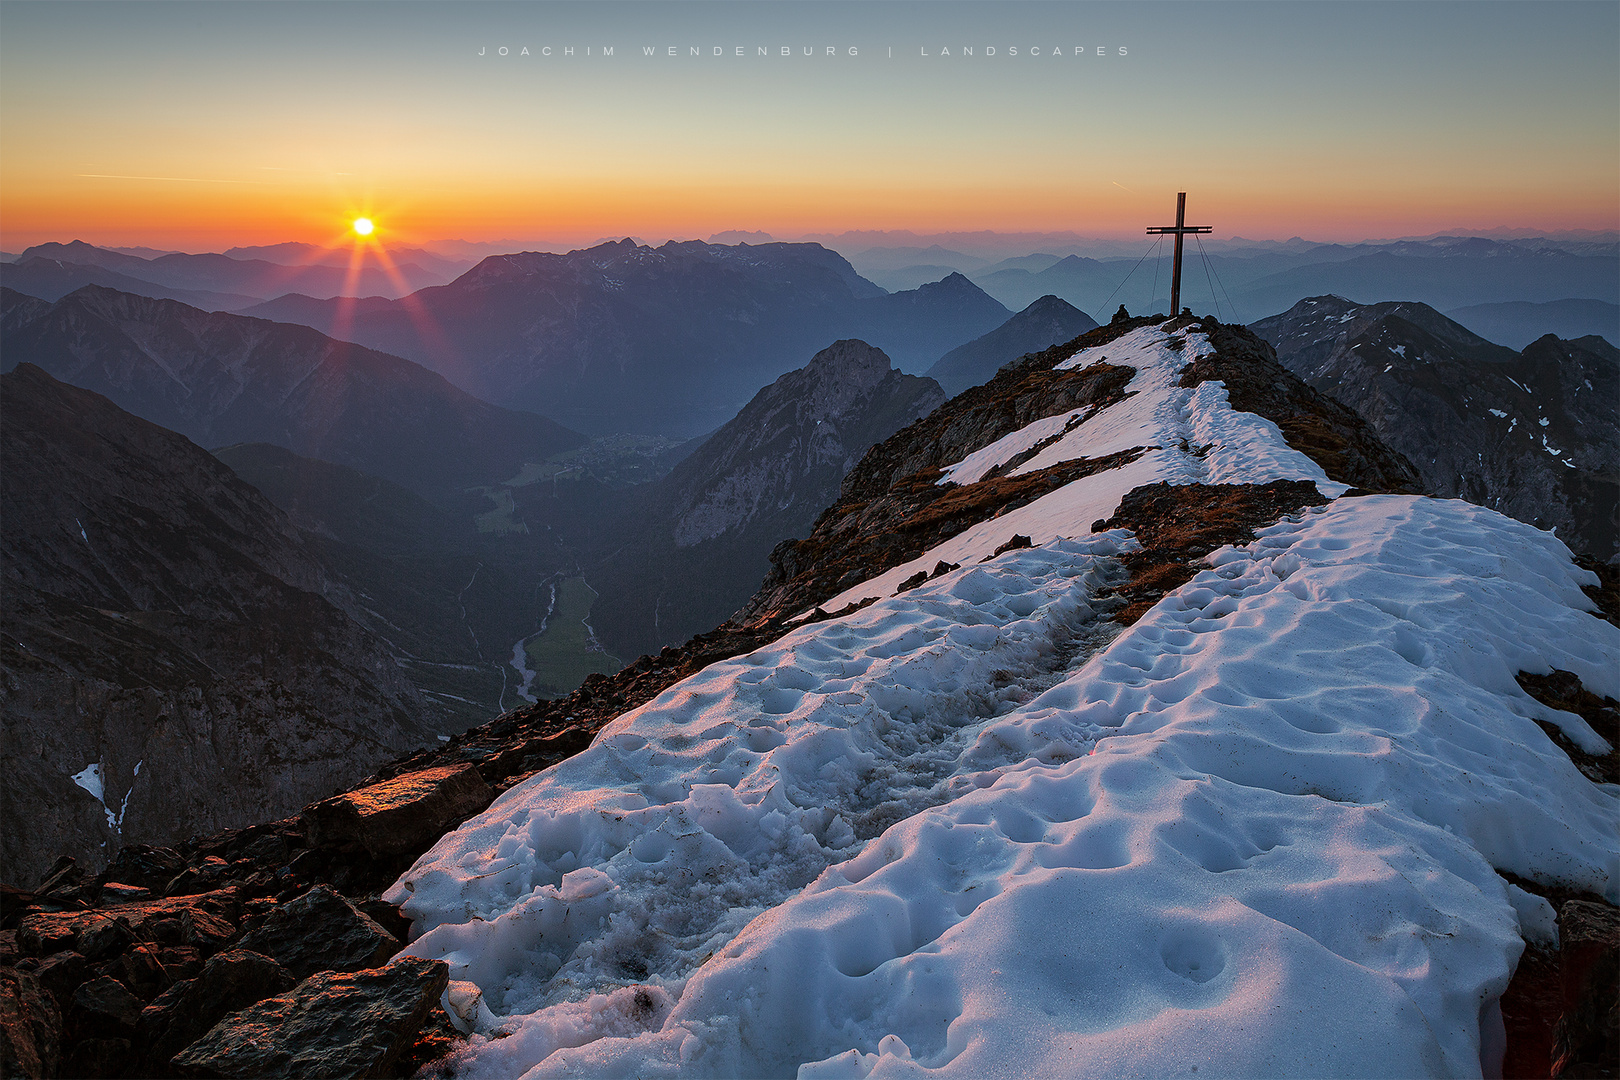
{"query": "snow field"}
[(640, 858), (1256, 833), (1194, 436)]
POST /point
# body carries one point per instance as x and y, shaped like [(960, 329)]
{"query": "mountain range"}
[(1518, 323), (655, 341), (1245, 283), (241, 276), (1533, 434), (221, 379)]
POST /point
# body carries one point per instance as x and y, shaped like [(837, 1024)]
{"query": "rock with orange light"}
[(402, 814)]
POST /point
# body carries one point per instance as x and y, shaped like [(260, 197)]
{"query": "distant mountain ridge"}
[(1046, 322), (52, 279), (1250, 281), (1518, 323), (255, 277), (1533, 434), (222, 379), (622, 337)]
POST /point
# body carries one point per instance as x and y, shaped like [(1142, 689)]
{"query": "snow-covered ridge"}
[(1255, 832), (1191, 435)]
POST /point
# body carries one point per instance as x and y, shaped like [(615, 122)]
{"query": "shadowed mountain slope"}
[(170, 641), (221, 379)]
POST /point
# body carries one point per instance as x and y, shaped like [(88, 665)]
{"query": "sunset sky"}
[(200, 126)]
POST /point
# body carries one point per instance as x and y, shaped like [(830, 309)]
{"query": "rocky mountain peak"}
[(849, 365), (819, 416), (1530, 434)]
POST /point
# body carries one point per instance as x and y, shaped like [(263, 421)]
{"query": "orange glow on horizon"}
[(581, 211)]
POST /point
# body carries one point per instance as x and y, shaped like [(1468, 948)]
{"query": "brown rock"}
[(321, 931), (403, 814), (1586, 1041), (204, 930), (146, 866), (61, 973), (103, 1008), (116, 892), (228, 983), (103, 935), (43, 933), (30, 1027), (333, 1025), (180, 961), (140, 969), (63, 874)]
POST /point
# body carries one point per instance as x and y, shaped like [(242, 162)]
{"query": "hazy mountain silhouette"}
[(220, 379), (662, 341)]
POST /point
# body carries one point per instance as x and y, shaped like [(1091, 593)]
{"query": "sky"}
[(199, 126)]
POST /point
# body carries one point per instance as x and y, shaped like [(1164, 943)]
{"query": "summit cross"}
[(1180, 228)]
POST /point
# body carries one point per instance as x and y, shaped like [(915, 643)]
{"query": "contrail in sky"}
[(176, 179)]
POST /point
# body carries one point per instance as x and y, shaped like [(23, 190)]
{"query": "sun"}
[(363, 226)]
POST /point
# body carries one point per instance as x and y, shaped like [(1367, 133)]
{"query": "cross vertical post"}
[(1180, 229)]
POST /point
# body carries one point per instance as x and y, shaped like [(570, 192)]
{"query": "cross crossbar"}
[(1180, 229)]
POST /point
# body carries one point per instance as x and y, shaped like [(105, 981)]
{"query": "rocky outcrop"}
[(892, 508), (183, 1013), (30, 1027), (321, 931), (332, 1025), (1586, 1040), (173, 660), (1531, 434), (698, 542), (401, 814)]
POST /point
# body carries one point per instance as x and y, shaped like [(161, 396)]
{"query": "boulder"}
[(406, 813), (30, 1027), (321, 931), (103, 1008), (61, 973), (1586, 1041), (102, 936), (116, 892), (332, 1025), (228, 983), (65, 873), (144, 865), (140, 969)]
